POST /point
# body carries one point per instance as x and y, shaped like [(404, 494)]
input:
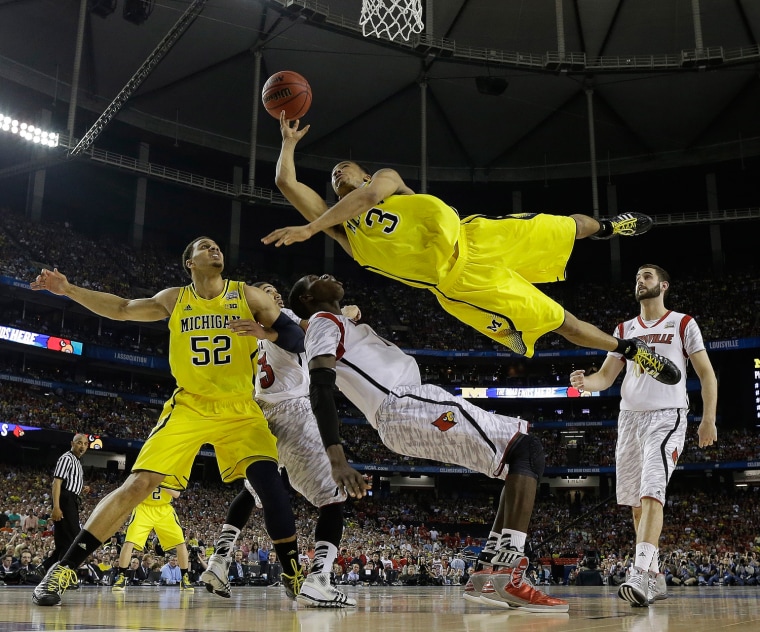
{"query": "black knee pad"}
[(526, 457)]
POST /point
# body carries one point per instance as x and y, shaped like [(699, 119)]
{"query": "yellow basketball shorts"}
[(235, 427), (159, 518), (490, 287)]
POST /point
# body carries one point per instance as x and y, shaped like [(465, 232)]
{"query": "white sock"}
[(645, 553), (512, 539), (492, 544), (655, 565), (226, 541), (324, 556)]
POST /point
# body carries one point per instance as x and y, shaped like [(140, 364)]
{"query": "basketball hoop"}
[(394, 18)]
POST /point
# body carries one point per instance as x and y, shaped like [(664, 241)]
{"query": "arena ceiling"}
[(670, 83)]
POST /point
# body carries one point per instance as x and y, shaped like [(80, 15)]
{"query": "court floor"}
[(379, 609)]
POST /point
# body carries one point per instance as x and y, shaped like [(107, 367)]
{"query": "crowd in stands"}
[(426, 531), (725, 307), (701, 530), (120, 418)]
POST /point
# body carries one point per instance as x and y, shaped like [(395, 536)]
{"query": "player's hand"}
[(52, 281), (289, 129), (577, 379), (351, 312), (248, 327), (288, 235), (353, 482), (56, 514), (344, 475), (707, 433)]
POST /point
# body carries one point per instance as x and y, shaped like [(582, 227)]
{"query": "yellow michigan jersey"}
[(213, 402), (410, 238), (206, 358), (489, 285)]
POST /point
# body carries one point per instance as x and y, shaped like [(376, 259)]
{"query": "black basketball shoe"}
[(651, 363)]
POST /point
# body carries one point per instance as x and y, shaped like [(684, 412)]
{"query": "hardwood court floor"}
[(379, 609)]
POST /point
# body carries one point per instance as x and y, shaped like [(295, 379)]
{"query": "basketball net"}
[(394, 18)]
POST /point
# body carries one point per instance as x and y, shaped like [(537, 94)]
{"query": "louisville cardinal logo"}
[(445, 422)]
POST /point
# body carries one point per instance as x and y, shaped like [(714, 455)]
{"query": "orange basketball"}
[(289, 91)]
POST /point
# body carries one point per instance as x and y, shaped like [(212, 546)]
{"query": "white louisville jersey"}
[(281, 374), (675, 336), (368, 367)]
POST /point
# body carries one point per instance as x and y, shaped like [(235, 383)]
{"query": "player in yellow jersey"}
[(482, 270), (155, 513), (213, 403)]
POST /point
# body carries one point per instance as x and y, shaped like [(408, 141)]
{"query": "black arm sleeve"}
[(289, 335), (321, 384)]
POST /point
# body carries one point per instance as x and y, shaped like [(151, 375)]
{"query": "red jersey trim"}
[(341, 350), (641, 322), (682, 332)]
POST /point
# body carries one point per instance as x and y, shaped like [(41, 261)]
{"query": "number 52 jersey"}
[(206, 358)]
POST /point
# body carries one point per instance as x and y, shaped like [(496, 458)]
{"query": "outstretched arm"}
[(384, 183), (600, 380), (108, 305), (305, 199)]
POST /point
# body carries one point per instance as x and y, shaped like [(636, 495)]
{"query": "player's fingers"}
[(268, 239)]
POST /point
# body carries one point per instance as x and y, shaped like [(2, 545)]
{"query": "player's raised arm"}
[(108, 305), (305, 199), (383, 184)]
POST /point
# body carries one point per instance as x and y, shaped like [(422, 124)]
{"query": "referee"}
[(68, 484)]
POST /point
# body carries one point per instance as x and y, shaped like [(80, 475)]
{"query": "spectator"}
[(170, 572)]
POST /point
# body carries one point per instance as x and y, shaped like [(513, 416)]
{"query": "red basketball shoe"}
[(474, 586), (512, 589)]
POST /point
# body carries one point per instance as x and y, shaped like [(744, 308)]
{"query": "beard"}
[(652, 292)]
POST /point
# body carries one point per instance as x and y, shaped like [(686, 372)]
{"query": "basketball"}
[(289, 91)]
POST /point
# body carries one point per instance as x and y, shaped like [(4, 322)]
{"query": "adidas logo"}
[(188, 308), (82, 546)]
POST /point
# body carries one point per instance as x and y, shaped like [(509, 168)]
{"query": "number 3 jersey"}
[(281, 374), (206, 358), (410, 238)]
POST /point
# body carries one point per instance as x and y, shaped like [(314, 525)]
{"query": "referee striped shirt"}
[(69, 469)]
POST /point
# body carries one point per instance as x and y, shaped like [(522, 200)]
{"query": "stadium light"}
[(29, 132)]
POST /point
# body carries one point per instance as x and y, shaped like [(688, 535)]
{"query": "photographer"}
[(617, 574), (589, 574), (196, 563)]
